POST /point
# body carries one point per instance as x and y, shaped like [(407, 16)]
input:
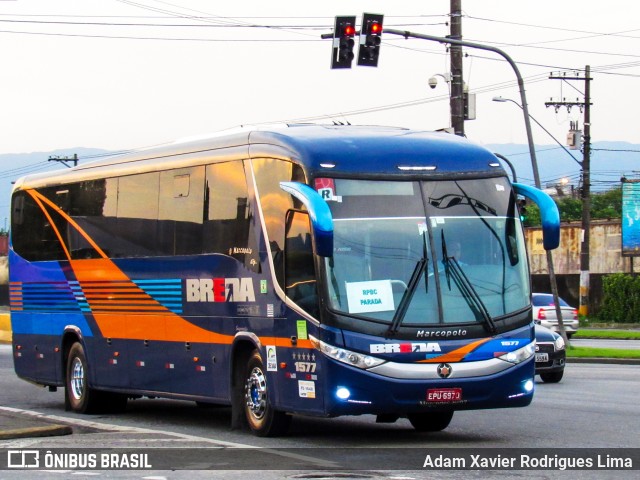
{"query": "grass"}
[(613, 334), (591, 352), (608, 334)]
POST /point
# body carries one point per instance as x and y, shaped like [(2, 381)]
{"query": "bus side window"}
[(299, 270), (18, 209), (32, 234), (180, 220), (228, 214), (275, 202)]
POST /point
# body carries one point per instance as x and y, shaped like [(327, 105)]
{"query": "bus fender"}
[(242, 347), (70, 335)]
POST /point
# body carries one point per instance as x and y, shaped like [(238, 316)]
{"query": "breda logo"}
[(220, 290), (404, 347)]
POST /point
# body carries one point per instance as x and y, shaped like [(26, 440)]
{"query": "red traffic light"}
[(343, 42), (370, 39)]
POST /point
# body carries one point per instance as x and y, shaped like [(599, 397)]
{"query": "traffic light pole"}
[(480, 46), (527, 123), (489, 48)]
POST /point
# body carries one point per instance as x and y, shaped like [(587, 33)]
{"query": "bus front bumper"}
[(355, 392)]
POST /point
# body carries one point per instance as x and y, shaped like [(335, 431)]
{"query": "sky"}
[(125, 74)]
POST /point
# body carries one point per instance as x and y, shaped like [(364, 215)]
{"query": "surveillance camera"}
[(433, 81)]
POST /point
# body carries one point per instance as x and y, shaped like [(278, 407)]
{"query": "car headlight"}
[(520, 355), (559, 343), (346, 356)]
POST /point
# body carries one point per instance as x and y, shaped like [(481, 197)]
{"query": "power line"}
[(547, 27)]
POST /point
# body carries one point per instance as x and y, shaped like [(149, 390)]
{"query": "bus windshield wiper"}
[(475, 303), (419, 269), (401, 311)]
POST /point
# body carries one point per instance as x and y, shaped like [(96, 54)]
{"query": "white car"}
[(544, 313)]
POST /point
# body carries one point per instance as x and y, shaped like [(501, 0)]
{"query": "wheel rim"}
[(77, 379), (256, 393)]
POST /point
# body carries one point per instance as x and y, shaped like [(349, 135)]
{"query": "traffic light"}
[(370, 33), (522, 208), (343, 42)]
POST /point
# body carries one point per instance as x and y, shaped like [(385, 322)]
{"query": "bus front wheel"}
[(263, 419), (430, 421)]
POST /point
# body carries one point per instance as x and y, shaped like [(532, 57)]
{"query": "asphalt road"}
[(595, 406)]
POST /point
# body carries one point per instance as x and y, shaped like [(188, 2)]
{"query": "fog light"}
[(343, 393), (528, 386)]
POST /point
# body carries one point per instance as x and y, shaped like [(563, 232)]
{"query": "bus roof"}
[(334, 150)]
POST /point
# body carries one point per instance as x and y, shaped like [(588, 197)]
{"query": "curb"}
[(48, 431), (16, 423), (5, 328), (610, 361)]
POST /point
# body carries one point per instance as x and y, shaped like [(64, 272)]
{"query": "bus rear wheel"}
[(79, 396), (263, 419), (430, 421)]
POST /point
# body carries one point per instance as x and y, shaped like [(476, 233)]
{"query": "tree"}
[(570, 209), (604, 206), (607, 205)]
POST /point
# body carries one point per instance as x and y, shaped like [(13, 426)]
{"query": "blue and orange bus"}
[(304, 269)]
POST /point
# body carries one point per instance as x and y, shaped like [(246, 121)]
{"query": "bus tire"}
[(262, 418), (79, 396), (430, 421)]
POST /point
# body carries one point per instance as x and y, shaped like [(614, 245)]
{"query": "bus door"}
[(301, 385)]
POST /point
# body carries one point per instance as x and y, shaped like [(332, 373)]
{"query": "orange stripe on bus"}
[(285, 342), (456, 355), (102, 276), (38, 197)]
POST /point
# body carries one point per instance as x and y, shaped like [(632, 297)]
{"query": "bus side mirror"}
[(319, 213), (549, 214)]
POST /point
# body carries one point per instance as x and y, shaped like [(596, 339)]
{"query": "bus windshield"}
[(420, 253)]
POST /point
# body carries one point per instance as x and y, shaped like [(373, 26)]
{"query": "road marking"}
[(124, 429)]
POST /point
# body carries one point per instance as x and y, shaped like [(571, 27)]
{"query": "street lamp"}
[(503, 100), (552, 273)]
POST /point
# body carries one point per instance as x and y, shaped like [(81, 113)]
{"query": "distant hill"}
[(609, 161)]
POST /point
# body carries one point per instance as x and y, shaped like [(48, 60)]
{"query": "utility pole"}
[(64, 160), (586, 197), (456, 101), (585, 107)]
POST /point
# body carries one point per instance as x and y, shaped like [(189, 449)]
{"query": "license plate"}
[(444, 394), (542, 357)]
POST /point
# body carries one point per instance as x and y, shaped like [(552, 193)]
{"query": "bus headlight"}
[(354, 359), (520, 355)]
